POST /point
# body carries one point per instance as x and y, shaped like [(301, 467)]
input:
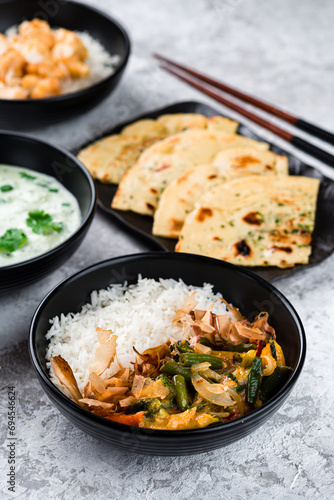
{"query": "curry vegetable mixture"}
[(225, 367)]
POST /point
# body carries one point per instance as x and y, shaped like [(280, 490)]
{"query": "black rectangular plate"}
[(141, 225)]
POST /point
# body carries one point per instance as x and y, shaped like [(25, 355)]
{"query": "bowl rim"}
[(84, 221), (101, 421), (82, 92)]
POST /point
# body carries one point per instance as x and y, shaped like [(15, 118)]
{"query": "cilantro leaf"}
[(12, 240), (30, 177), (5, 188), (41, 223)]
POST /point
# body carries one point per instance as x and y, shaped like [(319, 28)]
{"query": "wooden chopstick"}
[(284, 134), (294, 120)]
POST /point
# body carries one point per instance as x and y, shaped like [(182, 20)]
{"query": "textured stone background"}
[(281, 51)]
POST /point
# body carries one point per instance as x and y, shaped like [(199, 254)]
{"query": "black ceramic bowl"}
[(24, 151), (240, 287), (19, 114)]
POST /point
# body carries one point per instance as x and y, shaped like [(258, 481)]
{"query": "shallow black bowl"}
[(24, 151), (24, 114), (240, 287)]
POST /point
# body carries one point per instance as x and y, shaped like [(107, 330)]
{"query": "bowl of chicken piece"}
[(57, 60), (167, 354)]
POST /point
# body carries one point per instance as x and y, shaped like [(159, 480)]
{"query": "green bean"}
[(254, 380), (184, 346), (223, 345), (237, 357), (182, 397), (242, 347), (174, 368), (208, 343), (190, 359), (273, 349), (209, 375), (233, 377)]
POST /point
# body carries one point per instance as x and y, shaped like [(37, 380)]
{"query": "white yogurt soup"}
[(37, 213)]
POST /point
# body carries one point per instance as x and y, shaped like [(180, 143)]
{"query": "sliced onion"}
[(204, 370), (248, 358), (215, 393), (199, 367), (211, 374), (202, 349), (223, 414), (268, 365), (234, 395)]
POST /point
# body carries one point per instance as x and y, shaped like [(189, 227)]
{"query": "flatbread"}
[(142, 130), (165, 161), (174, 123), (178, 122), (180, 196), (241, 161), (254, 221), (109, 158)]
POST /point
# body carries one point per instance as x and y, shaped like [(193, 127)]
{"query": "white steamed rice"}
[(141, 315), (101, 63)]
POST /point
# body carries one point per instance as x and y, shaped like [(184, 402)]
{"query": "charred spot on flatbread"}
[(277, 248), (243, 161), (176, 224), (150, 207), (241, 247), (203, 214), (306, 236), (255, 218)]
